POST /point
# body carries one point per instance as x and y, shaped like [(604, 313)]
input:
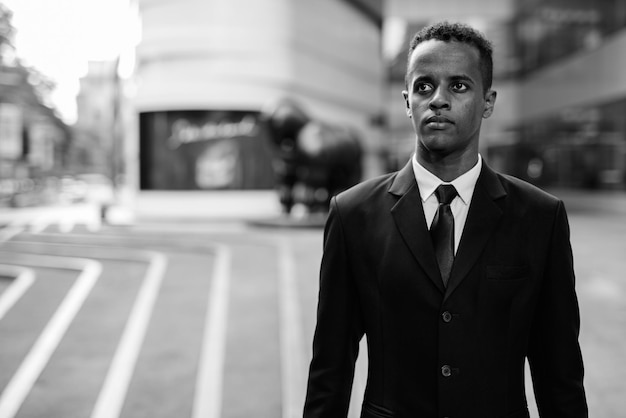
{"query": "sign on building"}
[(204, 150)]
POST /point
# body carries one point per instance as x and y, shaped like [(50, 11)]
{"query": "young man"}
[(454, 287)]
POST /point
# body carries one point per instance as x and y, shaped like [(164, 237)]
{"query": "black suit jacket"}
[(447, 352)]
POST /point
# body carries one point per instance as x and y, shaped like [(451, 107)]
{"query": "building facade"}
[(33, 139), (95, 147), (561, 107), (571, 128), (205, 70)]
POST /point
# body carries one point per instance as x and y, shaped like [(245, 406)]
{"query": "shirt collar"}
[(427, 182)]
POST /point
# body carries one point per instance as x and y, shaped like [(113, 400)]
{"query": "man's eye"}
[(423, 88), (460, 87)]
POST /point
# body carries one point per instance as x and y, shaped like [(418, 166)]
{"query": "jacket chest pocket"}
[(507, 273), (503, 285)]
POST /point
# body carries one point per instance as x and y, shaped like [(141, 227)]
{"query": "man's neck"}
[(449, 167)]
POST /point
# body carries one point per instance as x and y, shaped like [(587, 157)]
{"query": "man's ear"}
[(405, 94), (490, 101)]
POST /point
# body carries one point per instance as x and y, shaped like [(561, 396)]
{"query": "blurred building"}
[(95, 148), (204, 71), (560, 113), (571, 125), (33, 139)]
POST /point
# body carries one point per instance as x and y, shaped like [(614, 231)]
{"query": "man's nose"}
[(440, 99)]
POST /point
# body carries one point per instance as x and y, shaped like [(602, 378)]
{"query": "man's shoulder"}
[(525, 191), (367, 190)]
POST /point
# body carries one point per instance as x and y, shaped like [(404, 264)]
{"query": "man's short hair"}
[(445, 31)]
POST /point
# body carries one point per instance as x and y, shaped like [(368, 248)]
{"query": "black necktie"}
[(442, 230)]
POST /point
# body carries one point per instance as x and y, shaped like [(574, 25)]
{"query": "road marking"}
[(9, 232), (94, 223), (293, 364), (360, 381), (113, 394), (15, 227), (111, 398), (38, 227), (35, 361), (208, 395), (209, 380), (40, 223), (66, 224), (292, 350), (67, 217), (23, 279), (530, 393)]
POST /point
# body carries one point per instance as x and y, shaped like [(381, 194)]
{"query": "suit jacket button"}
[(447, 316), (446, 371)]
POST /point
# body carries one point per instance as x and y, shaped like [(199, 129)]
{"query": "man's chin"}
[(439, 144)]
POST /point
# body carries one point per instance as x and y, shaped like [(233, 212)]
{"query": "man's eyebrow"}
[(422, 78), (462, 77), (454, 78)]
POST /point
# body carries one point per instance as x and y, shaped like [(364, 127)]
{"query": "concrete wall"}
[(243, 54), (419, 10), (212, 54), (592, 76)]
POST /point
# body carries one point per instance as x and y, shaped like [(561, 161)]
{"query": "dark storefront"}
[(550, 30), (574, 147), (578, 147), (204, 150)]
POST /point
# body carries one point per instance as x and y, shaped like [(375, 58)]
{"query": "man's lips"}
[(438, 123), (438, 120)]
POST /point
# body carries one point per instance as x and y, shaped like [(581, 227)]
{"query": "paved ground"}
[(210, 315)]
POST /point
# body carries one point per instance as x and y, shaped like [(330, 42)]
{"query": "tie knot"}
[(445, 193)]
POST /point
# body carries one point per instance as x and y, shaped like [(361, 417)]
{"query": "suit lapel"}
[(408, 214), (482, 219)]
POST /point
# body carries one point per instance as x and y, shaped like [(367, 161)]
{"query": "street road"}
[(213, 319)]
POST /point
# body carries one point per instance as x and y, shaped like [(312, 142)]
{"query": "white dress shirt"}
[(427, 182)]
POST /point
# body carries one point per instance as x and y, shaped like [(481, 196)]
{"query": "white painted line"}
[(94, 219), (111, 398), (208, 395), (94, 224), (15, 227), (40, 223), (24, 278), (35, 361), (293, 367), (117, 381), (66, 224), (38, 227), (360, 380), (9, 232), (207, 403), (530, 393)]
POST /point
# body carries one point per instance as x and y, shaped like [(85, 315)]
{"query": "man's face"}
[(445, 98)]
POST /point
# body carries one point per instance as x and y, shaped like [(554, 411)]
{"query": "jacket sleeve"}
[(338, 330), (554, 353)]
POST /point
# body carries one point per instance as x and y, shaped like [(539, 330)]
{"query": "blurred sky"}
[(58, 37)]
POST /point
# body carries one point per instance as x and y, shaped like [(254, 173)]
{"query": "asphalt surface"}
[(192, 306)]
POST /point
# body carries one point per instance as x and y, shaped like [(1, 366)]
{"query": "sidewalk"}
[(252, 206), (262, 205), (193, 206)]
